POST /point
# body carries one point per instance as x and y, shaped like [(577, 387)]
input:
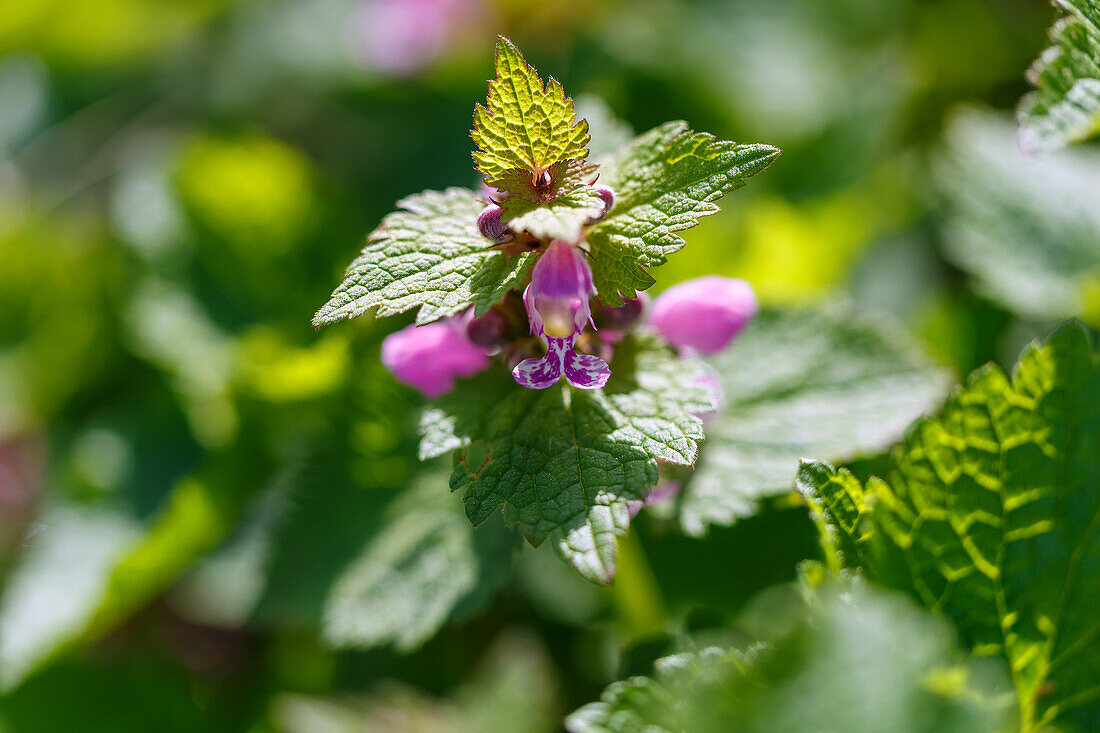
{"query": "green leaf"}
[(1065, 106), (526, 128), (991, 515), (563, 218), (425, 562), (512, 688), (1027, 227), (664, 181), (565, 463), (828, 381), (428, 254), (854, 661)]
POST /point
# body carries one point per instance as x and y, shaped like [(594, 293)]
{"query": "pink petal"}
[(431, 357), (704, 314)]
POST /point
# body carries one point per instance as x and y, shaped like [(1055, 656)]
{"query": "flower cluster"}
[(559, 311)]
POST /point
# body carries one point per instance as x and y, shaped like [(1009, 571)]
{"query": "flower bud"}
[(431, 357), (704, 314), (488, 331), (491, 224), (608, 198), (615, 322)]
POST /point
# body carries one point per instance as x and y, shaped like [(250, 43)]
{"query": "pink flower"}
[(704, 314), (431, 357), (662, 492), (404, 36), (558, 309)]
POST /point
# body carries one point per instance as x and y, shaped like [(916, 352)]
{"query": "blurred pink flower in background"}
[(703, 314), (431, 357), (404, 36)]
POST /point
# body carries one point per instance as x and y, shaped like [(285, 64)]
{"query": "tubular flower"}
[(704, 314), (558, 309), (431, 357)]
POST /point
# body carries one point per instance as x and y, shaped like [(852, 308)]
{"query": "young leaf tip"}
[(527, 133)]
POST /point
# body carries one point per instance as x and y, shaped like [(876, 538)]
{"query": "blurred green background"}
[(181, 184)]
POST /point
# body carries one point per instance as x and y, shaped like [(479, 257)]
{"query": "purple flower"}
[(558, 309), (703, 314), (431, 357)]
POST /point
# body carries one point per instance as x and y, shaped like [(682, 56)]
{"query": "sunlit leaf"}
[(664, 181), (428, 255), (565, 463), (990, 514)]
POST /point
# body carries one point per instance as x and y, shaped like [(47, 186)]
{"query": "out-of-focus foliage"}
[(1065, 107), (197, 490), (837, 383), (849, 659), (1026, 226), (991, 515)]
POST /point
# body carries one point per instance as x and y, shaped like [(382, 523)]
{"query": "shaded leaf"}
[(828, 381), (424, 563), (1027, 227), (852, 661)]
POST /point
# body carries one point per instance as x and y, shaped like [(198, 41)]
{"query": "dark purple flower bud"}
[(704, 314), (491, 224), (431, 357), (614, 323), (489, 330), (608, 197)]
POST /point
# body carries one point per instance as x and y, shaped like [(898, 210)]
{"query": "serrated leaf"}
[(428, 254), (565, 463), (855, 661), (526, 127), (827, 381), (1027, 227), (424, 563), (664, 181), (991, 515), (1065, 106)]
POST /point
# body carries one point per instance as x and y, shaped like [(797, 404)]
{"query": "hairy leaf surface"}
[(664, 181), (565, 463), (428, 254), (526, 127)]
